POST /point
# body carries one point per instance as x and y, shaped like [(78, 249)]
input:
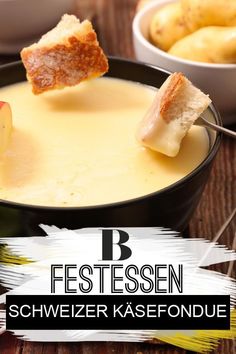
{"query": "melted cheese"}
[(77, 146)]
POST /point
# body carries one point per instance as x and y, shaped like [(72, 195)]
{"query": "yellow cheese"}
[(77, 146), (5, 125)]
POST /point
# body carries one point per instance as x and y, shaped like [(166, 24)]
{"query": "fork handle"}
[(220, 129)]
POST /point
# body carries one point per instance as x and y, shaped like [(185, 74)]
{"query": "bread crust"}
[(177, 105), (78, 58), (174, 87)]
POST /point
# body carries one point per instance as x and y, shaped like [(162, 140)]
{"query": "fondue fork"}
[(205, 123)]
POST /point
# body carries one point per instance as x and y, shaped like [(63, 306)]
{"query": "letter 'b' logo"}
[(107, 245)]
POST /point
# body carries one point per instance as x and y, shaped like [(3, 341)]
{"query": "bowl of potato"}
[(195, 37)]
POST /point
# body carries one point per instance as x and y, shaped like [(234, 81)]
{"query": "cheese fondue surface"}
[(77, 146)]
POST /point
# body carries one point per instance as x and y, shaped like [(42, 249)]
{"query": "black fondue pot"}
[(170, 207)]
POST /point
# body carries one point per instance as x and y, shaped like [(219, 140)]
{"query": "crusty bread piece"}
[(175, 108), (65, 56)]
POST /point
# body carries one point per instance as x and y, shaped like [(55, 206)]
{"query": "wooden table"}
[(112, 20)]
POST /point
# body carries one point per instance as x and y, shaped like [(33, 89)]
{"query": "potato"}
[(167, 26), (209, 44), (202, 13)]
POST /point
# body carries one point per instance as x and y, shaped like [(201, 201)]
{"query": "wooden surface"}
[(112, 20)]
